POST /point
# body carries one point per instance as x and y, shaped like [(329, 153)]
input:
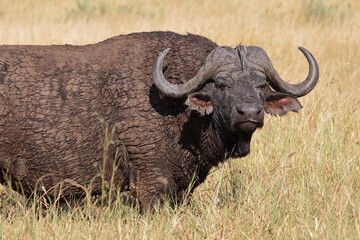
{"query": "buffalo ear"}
[(200, 102), (280, 103)]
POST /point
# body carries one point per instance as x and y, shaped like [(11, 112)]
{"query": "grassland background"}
[(302, 178)]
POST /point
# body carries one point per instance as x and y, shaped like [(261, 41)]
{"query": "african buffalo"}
[(179, 104)]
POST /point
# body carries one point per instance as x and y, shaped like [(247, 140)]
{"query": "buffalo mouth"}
[(245, 128), (244, 131)]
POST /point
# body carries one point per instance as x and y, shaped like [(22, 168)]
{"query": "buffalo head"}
[(236, 87)]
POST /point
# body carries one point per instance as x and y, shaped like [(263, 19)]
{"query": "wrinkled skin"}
[(50, 134)]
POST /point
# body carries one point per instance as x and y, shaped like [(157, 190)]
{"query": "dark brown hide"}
[(51, 99), (49, 96)]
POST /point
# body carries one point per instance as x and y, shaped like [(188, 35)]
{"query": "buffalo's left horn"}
[(300, 89), (174, 90)]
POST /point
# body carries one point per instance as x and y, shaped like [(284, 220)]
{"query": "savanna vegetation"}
[(302, 178)]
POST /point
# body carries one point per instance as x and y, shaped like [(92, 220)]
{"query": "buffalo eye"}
[(221, 86), (261, 87)]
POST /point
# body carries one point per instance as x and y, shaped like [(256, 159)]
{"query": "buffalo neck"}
[(206, 150)]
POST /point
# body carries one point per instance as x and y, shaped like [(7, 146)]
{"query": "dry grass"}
[(302, 179)]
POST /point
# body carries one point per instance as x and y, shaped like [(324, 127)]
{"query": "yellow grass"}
[(302, 178)]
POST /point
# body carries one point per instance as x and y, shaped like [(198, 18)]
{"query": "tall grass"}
[(302, 178)]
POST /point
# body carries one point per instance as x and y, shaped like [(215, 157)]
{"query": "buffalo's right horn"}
[(174, 90), (300, 89)]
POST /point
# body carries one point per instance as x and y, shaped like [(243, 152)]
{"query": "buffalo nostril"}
[(240, 112)]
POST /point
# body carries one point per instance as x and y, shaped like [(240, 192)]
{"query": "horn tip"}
[(303, 50)]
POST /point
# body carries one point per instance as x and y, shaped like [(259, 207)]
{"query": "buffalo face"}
[(234, 86)]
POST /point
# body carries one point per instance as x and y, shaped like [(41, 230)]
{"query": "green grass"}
[(302, 178)]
